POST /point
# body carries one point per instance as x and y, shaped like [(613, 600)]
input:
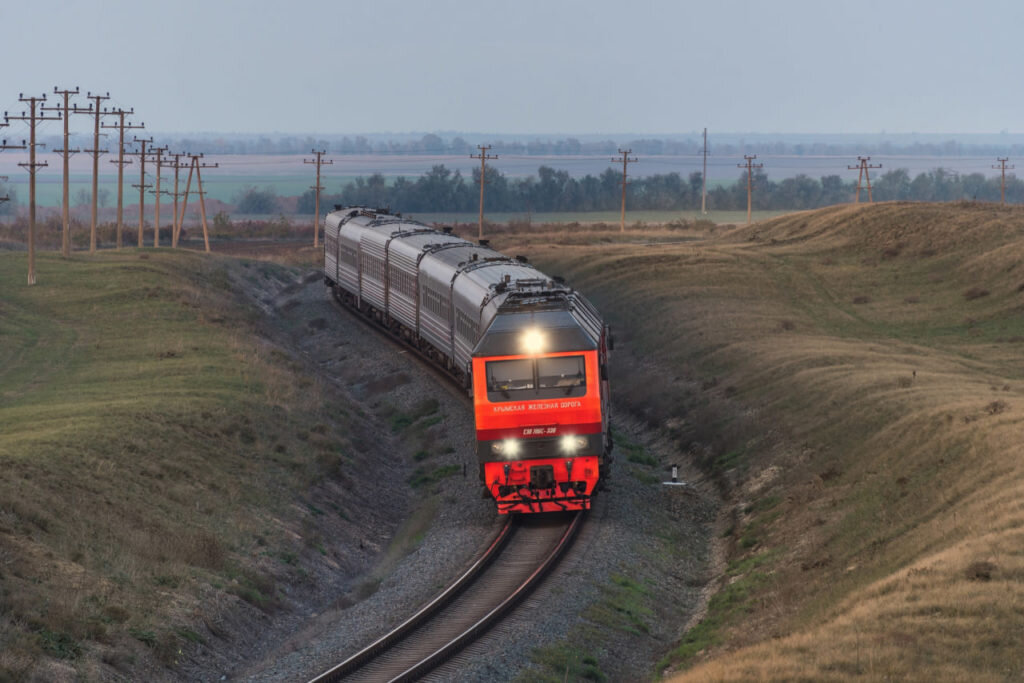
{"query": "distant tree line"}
[(433, 144), (443, 191), (8, 207)]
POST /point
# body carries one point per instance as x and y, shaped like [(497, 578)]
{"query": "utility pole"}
[(121, 162), (863, 173), (483, 156), (65, 110), (316, 216), (96, 152), (704, 177), (142, 181), (195, 165), (177, 166), (3, 146), (34, 118), (1002, 187), (625, 162), (159, 153), (750, 166)]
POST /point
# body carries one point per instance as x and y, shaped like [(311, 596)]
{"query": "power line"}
[(1002, 186), (625, 162), (96, 152), (121, 113), (750, 166), (863, 173), (316, 210), (483, 156), (65, 110), (33, 118)]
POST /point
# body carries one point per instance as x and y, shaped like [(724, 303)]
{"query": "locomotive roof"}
[(562, 331)]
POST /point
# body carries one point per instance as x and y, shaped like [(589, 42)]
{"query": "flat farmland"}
[(288, 176), (610, 217)]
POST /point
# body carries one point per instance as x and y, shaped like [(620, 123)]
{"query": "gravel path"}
[(644, 545)]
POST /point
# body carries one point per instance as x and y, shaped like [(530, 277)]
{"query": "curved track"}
[(528, 548)]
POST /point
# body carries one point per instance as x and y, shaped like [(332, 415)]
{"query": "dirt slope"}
[(852, 378)]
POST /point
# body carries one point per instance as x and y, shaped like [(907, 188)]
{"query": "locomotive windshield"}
[(529, 379)]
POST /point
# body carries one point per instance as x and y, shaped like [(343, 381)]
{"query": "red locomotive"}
[(531, 350)]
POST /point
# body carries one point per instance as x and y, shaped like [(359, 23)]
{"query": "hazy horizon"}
[(534, 67)]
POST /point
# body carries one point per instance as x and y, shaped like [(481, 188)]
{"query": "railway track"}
[(523, 552), (528, 549)]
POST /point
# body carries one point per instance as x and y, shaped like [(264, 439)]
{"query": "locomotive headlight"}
[(508, 449), (571, 444), (533, 341)]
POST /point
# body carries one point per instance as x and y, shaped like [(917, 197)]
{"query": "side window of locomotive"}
[(565, 374), (507, 380)]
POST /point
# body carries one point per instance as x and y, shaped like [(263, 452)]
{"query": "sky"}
[(528, 66)]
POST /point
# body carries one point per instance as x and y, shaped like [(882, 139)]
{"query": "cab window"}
[(530, 379)]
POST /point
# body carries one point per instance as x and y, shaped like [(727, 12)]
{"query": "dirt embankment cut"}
[(176, 478), (851, 377)]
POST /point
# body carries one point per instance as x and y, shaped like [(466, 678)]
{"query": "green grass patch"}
[(644, 477), (425, 476), (624, 606), (134, 392), (59, 644), (560, 662), (730, 460), (731, 602), (762, 505)]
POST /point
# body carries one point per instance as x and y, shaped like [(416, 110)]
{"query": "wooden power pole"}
[(65, 111), (484, 157), (1002, 186), (750, 166), (863, 167), (96, 112), (704, 178), (625, 162), (33, 117), (177, 166), (316, 188), (121, 161), (143, 186), (196, 166), (157, 152)]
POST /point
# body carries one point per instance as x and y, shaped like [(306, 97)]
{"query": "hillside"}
[(851, 378), (175, 479)]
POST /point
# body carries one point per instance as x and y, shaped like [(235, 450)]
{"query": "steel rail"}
[(371, 652), (423, 615), (495, 615)]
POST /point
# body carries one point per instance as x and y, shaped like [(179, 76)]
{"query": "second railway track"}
[(514, 565)]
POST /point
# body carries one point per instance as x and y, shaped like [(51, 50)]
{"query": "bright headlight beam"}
[(571, 444), (509, 448), (533, 341)]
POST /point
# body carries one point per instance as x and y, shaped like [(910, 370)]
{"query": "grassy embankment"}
[(852, 378), (154, 457)]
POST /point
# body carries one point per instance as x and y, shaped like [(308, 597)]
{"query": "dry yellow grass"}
[(858, 374)]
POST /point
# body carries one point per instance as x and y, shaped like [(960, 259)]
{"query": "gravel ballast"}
[(636, 576)]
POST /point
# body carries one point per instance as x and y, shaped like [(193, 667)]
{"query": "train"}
[(531, 351)]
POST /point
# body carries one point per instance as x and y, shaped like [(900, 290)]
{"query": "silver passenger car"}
[(436, 288)]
